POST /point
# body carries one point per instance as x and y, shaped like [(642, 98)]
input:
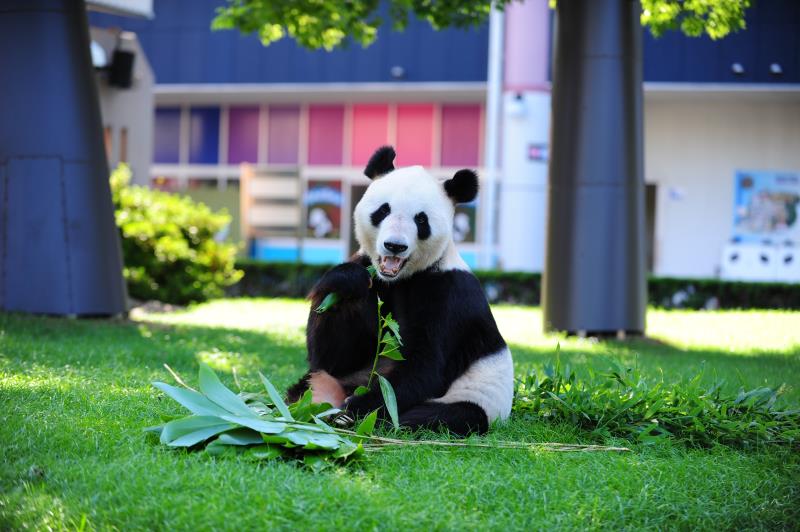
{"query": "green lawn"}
[(75, 394)]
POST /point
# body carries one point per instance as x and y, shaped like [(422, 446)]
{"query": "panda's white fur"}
[(408, 191), (433, 294)]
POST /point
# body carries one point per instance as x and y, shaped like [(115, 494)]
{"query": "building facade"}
[(279, 135)]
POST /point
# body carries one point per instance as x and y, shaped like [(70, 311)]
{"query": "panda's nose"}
[(395, 247)]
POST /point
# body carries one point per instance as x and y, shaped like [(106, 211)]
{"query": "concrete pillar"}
[(595, 266)]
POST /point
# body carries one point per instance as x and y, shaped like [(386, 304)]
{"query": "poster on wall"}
[(464, 222), (324, 209), (767, 207)]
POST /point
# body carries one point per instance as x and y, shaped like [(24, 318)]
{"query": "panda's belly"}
[(489, 383)]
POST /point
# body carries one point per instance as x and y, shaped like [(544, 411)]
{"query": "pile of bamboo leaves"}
[(262, 426)]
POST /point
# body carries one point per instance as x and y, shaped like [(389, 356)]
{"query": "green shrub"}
[(291, 279), (168, 244)]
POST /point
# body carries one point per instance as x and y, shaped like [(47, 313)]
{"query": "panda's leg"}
[(461, 419)]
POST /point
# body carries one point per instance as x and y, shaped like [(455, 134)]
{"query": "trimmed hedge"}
[(276, 279)]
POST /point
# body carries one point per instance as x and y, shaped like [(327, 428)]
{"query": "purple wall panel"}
[(204, 135), (325, 134), (242, 135), (284, 134), (461, 134), (167, 135)]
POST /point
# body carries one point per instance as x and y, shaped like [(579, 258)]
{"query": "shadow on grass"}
[(126, 352)]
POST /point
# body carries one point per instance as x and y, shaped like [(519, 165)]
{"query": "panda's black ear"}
[(380, 163), (462, 187)]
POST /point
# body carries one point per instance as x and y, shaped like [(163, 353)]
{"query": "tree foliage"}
[(329, 24), (716, 18)]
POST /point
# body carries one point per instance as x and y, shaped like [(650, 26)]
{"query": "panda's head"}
[(404, 222)]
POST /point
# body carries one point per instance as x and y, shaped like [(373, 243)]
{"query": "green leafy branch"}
[(389, 342)]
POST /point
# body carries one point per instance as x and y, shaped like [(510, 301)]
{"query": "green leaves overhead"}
[(715, 18), (334, 23)]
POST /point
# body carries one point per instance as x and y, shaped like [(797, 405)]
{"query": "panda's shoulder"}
[(457, 283)]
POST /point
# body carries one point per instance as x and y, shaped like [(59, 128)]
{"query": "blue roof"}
[(182, 49)]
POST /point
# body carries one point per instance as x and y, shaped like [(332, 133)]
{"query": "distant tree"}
[(329, 23)]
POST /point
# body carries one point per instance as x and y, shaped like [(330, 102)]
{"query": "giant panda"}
[(458, 371)]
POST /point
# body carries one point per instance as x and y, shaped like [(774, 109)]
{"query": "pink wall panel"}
[(283, 135), (461, 134), (414, 134), (325, 134), (370, 131)]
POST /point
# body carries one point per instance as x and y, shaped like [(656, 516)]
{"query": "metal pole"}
[(594, 279), (494, 87), (59, 246)]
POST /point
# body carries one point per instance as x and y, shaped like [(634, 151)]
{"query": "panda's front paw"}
[(348, 280), (362, 405)]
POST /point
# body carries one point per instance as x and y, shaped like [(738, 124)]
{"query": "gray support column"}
[(59, 247), (594, 279)]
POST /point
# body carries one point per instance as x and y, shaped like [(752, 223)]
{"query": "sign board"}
[(139, 8), (767, 207)]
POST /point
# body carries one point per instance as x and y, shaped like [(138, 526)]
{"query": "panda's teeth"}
[(390, 265)]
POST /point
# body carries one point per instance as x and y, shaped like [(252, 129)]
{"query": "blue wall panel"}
[(182, 49)]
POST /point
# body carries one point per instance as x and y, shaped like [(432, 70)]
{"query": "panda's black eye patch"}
[(380, 213), (423, 227)]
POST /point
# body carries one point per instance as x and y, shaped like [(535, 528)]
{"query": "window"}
[(123, 145), (461, 133), (370, 130), (283, 135), (243, 135), (167, 135), (414, 134), (204, 135), (325, 134)]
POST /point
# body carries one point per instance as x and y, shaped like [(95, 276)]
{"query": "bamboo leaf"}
[(259, 425), (192, 430), (240, 437), (197, 403), (390, 399), (329, 301), (361, 390), (394, 327), (366, 426), (394, 355), (277, 400), (213, 389)]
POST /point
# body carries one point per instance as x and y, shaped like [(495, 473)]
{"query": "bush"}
[(273, 279), (168, 244)]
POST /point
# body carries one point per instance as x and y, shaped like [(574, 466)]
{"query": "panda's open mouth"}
[(390, 265)]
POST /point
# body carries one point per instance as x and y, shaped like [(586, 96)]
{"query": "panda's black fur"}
[(445, 323)]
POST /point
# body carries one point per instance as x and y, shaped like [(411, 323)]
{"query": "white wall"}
[(131, 108), (694, 144)]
